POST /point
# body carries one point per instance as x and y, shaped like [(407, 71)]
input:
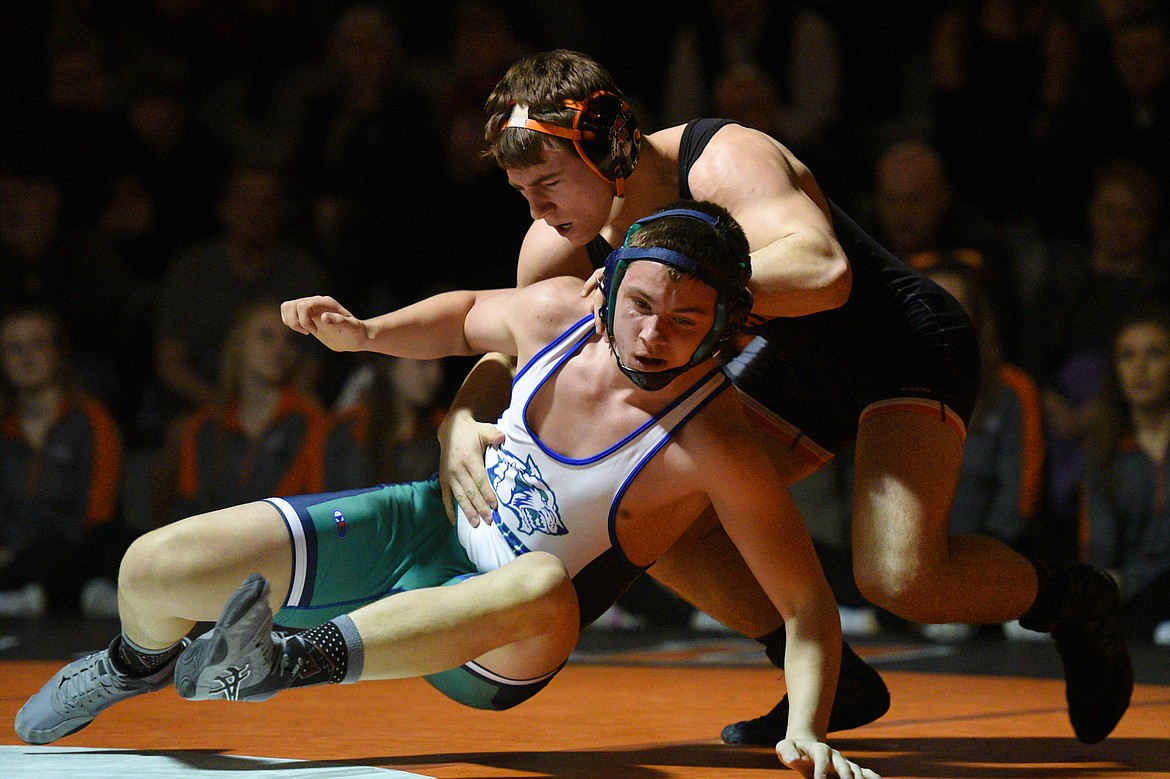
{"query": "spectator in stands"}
[(1128, 465), (920, 217), (1088, 286), (789, 43), (1127, 117), (60, 460), (385, 432), (208, 284), (262, 436), (1000, 69), (365, 162)]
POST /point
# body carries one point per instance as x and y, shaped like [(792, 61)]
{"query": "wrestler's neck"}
[(653, 184)]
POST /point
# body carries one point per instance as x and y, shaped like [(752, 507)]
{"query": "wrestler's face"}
[(565, 193), (660, 318), (1143, 366)]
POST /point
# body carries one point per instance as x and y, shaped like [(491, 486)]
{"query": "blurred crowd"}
[(171, 169)]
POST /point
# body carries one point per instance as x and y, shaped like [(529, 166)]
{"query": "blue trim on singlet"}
[(556, 342), (309, 532), (617, 497), (613, 448)]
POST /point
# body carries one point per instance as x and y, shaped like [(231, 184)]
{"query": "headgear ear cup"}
[(609, 138)]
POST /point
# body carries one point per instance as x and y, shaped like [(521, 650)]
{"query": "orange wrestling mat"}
[(612, 721)]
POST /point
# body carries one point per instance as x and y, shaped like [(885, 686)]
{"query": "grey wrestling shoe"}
[(240, 658), (79, 692)]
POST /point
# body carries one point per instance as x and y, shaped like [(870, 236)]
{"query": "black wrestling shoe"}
[(1098, 673), (861, 698)]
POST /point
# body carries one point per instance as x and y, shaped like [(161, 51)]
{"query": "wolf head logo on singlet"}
[(523, 491)]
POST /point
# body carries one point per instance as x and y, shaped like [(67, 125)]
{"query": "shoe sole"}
[(38, 737), (69, 726), (200, 673)]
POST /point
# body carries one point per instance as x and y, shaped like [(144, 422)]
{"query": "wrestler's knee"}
[(547, 590), (147, 564), (900, 585), (165, 560)]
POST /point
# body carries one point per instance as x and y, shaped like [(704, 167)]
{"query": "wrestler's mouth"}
[(649, 363)]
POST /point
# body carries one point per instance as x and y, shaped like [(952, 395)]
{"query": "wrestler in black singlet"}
[(899, 335)]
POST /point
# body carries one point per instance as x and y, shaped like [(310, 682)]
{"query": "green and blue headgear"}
[(733, 301)]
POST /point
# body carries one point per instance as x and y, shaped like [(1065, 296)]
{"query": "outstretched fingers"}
[(817, 760)]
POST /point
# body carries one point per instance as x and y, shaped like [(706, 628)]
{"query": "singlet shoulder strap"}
[(695, 138)]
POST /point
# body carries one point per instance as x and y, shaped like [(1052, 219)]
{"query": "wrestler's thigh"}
[(195, 564), (906, 470)]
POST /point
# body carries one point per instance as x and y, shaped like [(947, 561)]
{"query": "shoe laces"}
[(88, 685)]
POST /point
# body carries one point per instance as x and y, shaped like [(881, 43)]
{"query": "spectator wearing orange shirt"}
[(265, 436), (60, 464)]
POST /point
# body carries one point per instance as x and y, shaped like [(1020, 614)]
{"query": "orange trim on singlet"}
[(780, 428), (1032, 450), (934, 408)]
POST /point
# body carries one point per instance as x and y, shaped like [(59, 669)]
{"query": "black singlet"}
[(899, 335)]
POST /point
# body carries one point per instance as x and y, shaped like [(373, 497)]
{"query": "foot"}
[(861, 698), (1098, 673), (240, 658), (79, 692)]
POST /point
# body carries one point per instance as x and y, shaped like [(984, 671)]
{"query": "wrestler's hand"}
[(462, 476), (592, 287), (815, 759), (328, 320)]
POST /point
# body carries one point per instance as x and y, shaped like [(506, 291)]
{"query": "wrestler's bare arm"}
[(798, 266)]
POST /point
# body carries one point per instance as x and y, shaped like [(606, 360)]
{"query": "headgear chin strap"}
[(604, 133), (732, 305)]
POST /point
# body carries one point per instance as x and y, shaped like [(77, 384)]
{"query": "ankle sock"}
[(1048, 608), (327, 654), (135, 660), (774, 644)]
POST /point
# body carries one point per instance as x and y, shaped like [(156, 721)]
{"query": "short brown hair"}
[(543, 82)]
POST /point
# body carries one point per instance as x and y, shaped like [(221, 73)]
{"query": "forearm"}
[(429, 329), (799, 275), (812, 660)]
